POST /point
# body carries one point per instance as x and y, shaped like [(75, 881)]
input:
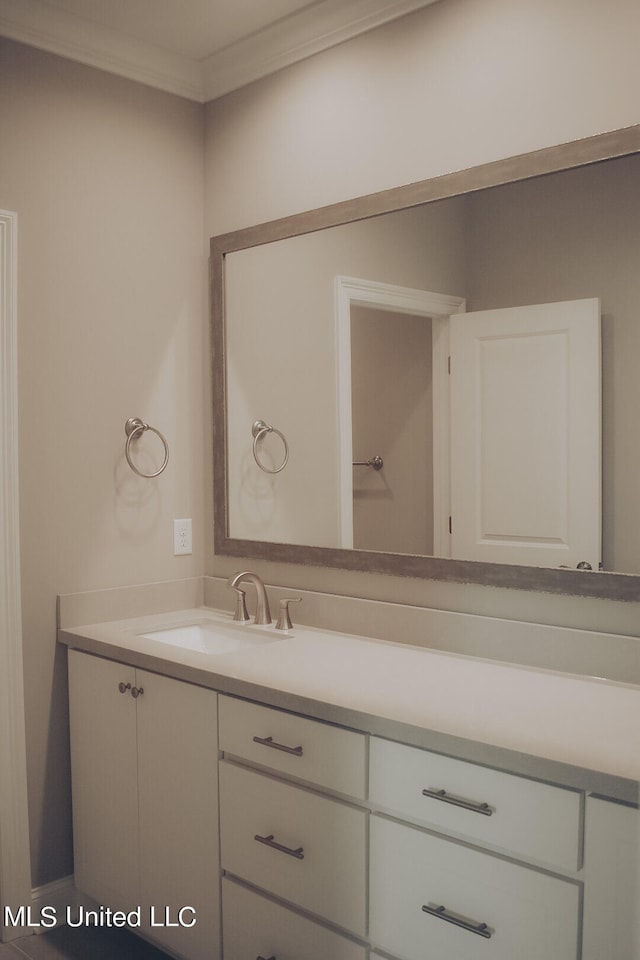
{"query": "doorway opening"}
[(413, 429)]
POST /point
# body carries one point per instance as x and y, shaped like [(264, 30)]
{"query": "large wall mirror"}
[(440, 380)]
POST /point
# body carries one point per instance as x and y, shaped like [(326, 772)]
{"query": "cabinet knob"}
[(137, 691), (123, 687)]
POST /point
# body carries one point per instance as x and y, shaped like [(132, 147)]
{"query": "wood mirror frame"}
[(605, 585)]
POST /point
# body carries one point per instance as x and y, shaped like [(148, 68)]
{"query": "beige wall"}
[(453, 85), (106, 178), (458, 83)]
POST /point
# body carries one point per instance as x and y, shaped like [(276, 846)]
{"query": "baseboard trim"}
[(61, 899)]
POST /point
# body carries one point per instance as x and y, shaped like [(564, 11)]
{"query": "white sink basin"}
[(210, 636)]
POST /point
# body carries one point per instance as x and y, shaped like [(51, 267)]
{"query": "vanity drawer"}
[(496, 909), (254, 926), (307, 749), (312, 850), (514, 814)]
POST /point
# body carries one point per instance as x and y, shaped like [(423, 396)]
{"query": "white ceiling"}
[(199, 49)]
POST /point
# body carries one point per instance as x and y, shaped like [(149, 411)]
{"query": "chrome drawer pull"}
[(270, 842), (270, 742), (268, 958), (481, 929), (482, 808)]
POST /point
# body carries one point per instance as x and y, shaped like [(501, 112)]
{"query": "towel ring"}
[(259, 430), (134, 428)]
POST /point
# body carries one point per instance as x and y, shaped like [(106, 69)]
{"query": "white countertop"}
[(583, 732)]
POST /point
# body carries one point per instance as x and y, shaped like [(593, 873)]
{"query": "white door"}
[(525, 434)]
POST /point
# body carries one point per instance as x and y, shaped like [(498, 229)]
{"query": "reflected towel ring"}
[(259, 430), (134, 428)]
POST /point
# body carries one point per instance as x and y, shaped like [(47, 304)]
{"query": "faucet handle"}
[(284, 620), (241, 613)]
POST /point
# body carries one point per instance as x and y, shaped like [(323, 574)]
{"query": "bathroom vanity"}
[(311, 795)]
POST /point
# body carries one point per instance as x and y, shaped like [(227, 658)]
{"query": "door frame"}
[(352, 291), (15, 869)]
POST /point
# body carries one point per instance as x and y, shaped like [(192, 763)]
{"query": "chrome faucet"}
[(263, 614)]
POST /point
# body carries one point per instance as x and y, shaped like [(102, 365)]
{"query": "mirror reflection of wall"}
[(392, 417), (559, 237), (280, 319)]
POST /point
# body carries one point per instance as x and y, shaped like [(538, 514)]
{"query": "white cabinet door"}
[(525, 434), (178, 795), (144, 778), (612, 882), (104, 765)]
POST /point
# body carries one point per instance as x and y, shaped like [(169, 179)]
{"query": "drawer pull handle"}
[(482, 808), (270, 842), (481, 929), (268, 958), (270, 742)]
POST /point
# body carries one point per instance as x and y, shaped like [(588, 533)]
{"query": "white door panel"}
[(525, 429)]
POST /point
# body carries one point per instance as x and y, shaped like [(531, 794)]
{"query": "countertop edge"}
[(604, 785)]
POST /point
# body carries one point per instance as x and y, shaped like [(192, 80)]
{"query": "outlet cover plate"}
[(182, 538)]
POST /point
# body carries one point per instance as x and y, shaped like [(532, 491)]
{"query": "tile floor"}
[(81, 943)]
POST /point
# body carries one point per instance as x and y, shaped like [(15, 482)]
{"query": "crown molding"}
[(294, 38), (297, 37), (67, 35)]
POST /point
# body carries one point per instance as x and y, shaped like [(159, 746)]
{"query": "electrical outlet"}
[(182, 538)]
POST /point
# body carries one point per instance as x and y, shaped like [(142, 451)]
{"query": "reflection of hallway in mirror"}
[(392, 417)]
